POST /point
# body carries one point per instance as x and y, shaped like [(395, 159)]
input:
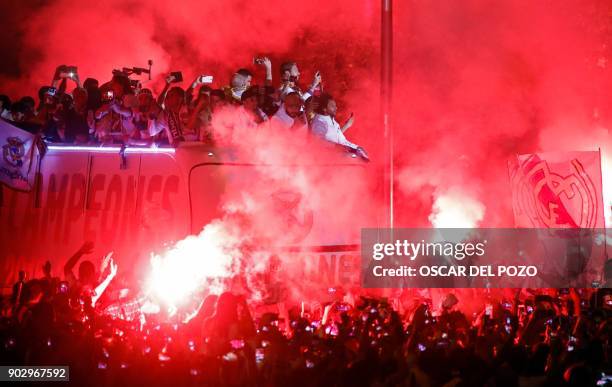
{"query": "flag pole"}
[(386, 67)]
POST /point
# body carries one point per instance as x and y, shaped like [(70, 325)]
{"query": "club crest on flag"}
[(13, 151), (298, 217), (20, 157), (555, 195)]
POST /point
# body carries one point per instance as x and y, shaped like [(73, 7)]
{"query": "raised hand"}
[(87, 248), (266, 62), (317, 79), (113, 268), (350, 121), (107, 258)]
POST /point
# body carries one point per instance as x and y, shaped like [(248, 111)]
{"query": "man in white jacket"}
[(326, 127)]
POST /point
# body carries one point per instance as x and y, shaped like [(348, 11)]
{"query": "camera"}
[(258, 60)]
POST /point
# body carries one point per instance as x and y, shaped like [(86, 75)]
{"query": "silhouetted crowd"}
[(111, 333), (121, 111)]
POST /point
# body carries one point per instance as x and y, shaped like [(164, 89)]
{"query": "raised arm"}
[(162, 95), (313, 86), (87, 248), (349, 122), (189, 91), (104, 284), (57, 76), (268, 65)]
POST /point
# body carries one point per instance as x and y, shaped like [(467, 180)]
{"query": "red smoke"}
[(475, 82), (478, 82)]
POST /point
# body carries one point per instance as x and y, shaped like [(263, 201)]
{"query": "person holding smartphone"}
[(169, 121), (325, 126), (290, 75)]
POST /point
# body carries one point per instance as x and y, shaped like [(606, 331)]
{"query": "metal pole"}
[(386, 72)]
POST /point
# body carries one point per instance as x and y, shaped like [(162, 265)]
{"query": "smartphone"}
[(205, 79), (571, 343), (178, 76), (259, 355), (489, 310), (63, 288), (331, 330), (51, 91)]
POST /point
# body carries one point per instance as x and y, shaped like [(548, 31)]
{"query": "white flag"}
[(557, 190), (19, 157)]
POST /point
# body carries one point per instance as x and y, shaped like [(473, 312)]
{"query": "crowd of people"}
[(110, 333), (122, 111)]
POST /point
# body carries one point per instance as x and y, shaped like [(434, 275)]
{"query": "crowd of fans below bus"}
[(109, 333), (122, 112)]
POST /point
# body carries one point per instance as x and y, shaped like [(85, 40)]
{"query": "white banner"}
[(19, 157), (557, 190)]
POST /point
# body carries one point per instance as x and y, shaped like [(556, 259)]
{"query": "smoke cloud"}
[(478, 82)]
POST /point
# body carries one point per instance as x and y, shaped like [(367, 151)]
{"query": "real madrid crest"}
[(13, 151)]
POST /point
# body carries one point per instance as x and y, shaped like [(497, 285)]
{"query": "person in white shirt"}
[(290, 75), (169, 119), (325, 126), (290, 114)]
